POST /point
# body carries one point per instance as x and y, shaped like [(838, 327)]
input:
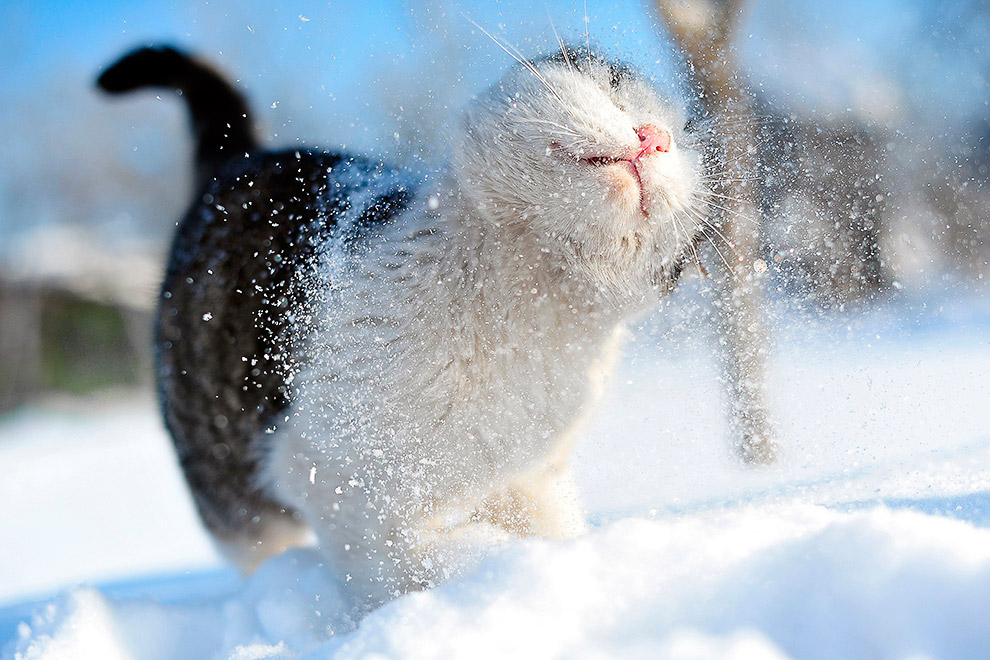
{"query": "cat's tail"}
[(219, 113)]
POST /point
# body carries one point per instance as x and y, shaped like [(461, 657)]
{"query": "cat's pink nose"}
[(652, 139)]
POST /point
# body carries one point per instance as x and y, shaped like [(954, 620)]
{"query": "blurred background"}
[(874, 142), (874, 191)]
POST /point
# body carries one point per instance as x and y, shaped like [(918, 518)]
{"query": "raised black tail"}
[(219, 114)]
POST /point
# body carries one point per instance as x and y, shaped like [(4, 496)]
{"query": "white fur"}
[(445, 369)]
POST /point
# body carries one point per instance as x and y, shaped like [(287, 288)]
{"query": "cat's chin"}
[(625, 191)]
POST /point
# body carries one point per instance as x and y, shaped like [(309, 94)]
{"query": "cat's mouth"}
[(652, 140)]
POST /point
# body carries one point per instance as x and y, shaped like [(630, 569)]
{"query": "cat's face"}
[(585, 155)]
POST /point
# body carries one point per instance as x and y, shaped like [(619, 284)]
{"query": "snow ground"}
[(870, 538)]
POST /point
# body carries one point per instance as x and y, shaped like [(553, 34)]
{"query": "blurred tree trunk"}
[(704, 32)]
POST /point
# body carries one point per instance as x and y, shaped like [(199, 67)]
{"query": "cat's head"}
[(584, 155)]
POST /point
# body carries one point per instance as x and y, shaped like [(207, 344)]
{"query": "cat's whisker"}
[(690, 241), (697, 259), (703, 224), (729, 198), (736, 214), (731, 160), (555, 127), (532, 69), (684, 235), (718, 177), (560, 42), (587, 30), (518, 57), (721, 256)]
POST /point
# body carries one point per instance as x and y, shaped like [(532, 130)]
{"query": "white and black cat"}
[(399, 363)]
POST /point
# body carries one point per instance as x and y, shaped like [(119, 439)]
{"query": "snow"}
[(786, 580), (91, 496), (870, 538)]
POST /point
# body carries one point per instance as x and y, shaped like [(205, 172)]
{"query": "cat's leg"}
[(373, 561), (381, 554), (381, 551), (247, 525), (265, 536), (372, 537), (364, 509), (545, 503)]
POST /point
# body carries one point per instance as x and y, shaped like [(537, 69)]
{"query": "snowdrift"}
[(778, 581)]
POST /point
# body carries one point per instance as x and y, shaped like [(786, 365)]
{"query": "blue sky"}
[(356, 75), (803, 47), (338, 51), (41, 36), (306, 59)]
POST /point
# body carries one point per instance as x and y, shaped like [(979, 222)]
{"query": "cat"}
[(399, 362)]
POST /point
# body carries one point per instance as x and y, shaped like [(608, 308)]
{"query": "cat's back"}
[(232, 269)]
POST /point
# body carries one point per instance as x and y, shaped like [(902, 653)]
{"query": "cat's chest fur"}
[(424, 343)]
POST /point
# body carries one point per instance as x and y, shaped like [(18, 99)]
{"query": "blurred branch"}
[(704, 32)]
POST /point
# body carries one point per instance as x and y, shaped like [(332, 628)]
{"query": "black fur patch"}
[(381, 211), (234, 292), (579, 57)]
